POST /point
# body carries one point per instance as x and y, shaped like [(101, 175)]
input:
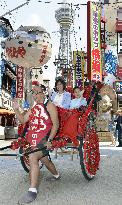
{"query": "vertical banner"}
[(19, 86), (0, 77), (79, 63), (94, 42), (0, 70), (13, 88)]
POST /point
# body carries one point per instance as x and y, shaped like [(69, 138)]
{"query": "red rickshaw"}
[(77, 128)]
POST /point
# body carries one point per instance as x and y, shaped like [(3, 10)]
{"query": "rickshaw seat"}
[(68, 122)]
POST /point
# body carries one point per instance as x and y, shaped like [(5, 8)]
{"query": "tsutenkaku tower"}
[(65, 17)]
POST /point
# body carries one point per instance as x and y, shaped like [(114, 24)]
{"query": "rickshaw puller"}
[(43, 126)]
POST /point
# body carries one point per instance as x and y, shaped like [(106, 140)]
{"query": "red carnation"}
[(35, 82), (99, 85)]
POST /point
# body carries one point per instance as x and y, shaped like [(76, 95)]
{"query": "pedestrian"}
[(111, 129), (60, 97), (43, 126), (119, 127), (79, 100)]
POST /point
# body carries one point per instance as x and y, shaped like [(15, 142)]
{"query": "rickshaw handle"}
[(2, 148)]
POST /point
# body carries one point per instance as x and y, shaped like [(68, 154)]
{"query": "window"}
[(119, 46)]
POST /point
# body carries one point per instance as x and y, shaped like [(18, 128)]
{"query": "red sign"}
[(20, 70), (96, 64), (119, 72), (13, 52)]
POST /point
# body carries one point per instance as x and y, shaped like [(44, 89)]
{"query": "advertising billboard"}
[(94, 64), (79, 63)]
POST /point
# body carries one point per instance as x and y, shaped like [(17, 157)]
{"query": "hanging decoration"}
[(29, 46), (109, 79), (91, 151), (111, 60)]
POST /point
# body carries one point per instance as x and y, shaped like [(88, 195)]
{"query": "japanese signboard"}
[(79, 62), (94, 42), (20, 71)]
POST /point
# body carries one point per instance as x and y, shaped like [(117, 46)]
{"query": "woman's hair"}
[(62, 82)]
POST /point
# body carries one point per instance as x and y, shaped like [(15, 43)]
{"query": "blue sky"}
[(43, 14)]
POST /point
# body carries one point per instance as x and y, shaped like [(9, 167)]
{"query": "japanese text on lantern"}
[(13, 52), (19, 82), (44, 51), (96, 73)]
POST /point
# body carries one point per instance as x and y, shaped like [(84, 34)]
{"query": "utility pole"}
[(8, 12)]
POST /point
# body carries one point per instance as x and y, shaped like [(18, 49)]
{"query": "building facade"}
[(113, 14), (7, 83)]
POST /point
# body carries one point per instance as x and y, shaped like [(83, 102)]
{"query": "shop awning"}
[(4, 111)]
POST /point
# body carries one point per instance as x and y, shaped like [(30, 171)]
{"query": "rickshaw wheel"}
[(25, 162), (89, 152)]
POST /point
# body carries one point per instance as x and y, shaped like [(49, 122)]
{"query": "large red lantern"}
[(29, 46)]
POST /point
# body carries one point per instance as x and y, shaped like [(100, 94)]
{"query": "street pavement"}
[(73, 188)]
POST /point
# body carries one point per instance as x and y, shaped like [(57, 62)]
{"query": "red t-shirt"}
[(40, 125)]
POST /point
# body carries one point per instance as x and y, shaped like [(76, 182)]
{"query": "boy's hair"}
[(42, 87), (76, 87)]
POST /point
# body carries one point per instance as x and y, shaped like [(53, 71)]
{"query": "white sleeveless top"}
[(58, 99)]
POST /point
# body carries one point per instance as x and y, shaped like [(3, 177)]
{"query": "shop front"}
[(8, 124)]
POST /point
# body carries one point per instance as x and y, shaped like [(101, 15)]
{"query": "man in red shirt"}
[(43, 126)]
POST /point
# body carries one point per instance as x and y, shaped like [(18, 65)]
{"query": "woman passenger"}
[(60, 97)]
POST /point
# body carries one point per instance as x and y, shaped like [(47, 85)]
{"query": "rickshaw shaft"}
[(5, 147), (20, 155), (7, 154)]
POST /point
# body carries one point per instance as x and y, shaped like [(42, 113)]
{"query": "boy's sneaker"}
[(28, 197)]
